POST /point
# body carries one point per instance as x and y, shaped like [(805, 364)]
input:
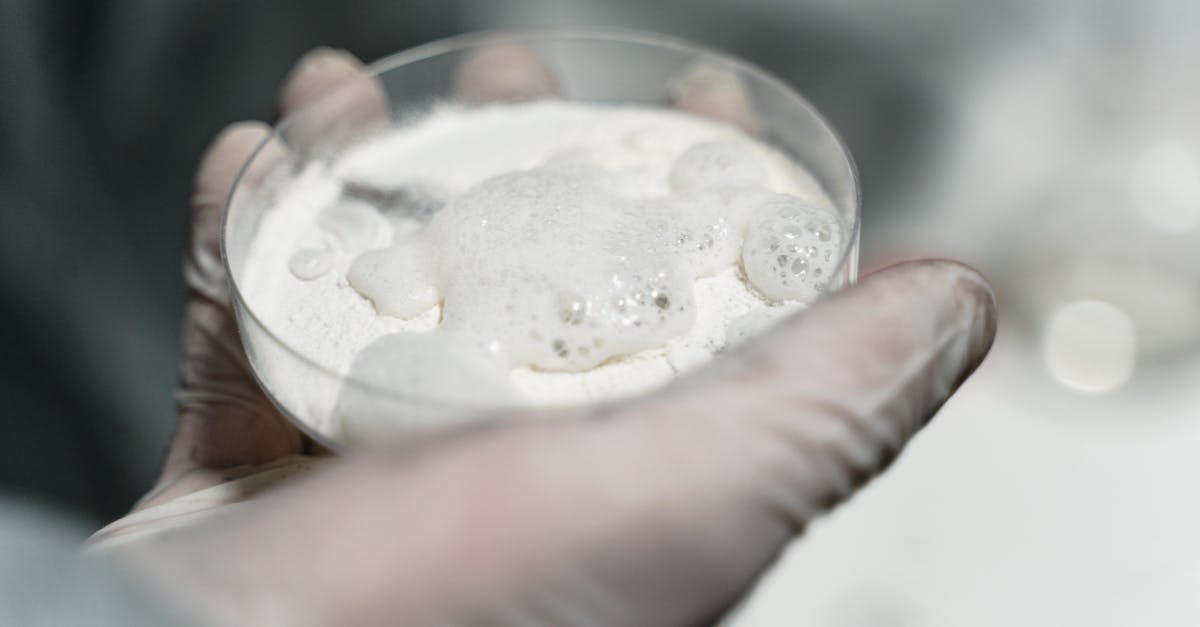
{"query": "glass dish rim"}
[(491, 38)]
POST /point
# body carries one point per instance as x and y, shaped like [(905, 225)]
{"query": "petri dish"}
[(588, 66)]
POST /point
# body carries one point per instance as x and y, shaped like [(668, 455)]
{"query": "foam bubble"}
[(706, 228), (400, 280), (308, 264), (792, 248), (721, 162), (555, 268)]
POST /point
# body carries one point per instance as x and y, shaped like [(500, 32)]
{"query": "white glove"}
[(659, 511)]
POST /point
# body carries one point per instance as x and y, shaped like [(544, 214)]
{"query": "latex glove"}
[(659, 511)]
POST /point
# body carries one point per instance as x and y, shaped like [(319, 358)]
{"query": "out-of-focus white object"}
[(1166, 186), (1112, 231), (1089, 345)]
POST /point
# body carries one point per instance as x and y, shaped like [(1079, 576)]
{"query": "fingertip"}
[(242, 133), (969, 280), (936, 265), (972, 299), (504, 73), (826, 400), (330, 100), (326, 56), (314, 73), (226, 155), (986, 320), (716, 93), (219, 167)]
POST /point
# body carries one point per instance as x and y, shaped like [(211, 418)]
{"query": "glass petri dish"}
[(591, 66)]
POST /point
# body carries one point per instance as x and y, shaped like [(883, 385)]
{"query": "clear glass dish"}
[(597, 66)]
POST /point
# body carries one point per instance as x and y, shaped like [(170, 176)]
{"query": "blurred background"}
[(1055, 146)]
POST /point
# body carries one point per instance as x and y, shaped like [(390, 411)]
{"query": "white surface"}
[(1023, 503)]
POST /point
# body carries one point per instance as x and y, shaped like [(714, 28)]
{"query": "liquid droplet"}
[(308, 264)]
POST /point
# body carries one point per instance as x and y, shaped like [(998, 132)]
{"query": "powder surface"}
[(547, 253)]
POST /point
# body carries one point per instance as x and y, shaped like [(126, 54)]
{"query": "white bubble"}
[(557, 247), (707, 227), (722, 162), (308, 264), (792, 249), (572, 308), (553, 268), (400, 280)]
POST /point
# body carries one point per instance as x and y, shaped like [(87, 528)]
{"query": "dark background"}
[(105, 108)]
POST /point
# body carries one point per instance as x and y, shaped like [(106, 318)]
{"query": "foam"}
[(792, 248)]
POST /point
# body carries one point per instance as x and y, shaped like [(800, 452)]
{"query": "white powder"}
[(576, 252)]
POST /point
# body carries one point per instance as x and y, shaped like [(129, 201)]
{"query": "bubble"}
[(546, 261), (308, 264), (791, 248), (722, 162), (800, 266), (399, 280), (572, 309), (709, 224)]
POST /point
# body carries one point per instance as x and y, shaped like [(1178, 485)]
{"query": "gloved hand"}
[(660, 511)]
